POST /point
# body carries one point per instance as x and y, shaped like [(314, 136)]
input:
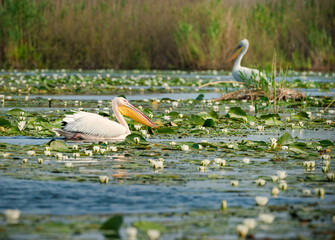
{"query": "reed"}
[(174, 34)]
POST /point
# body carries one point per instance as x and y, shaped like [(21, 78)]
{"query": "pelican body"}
[(91, 126), (244, 74)]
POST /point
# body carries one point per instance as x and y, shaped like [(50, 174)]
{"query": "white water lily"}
[(281, 174), (266, 218), (75, 147), (113, 149), (64, 157), (225, 130), (12, 215), (136, 139), (260, 128), (173, 143), (88, 153), (5, 155), (68, 165), (103, 179), (220, 161), (174, 104), (273, 142), (96, 148), (25, 160), (260, 182), (153, 234), (288, 119), (185, 147), (76, 155), (230, 146), (31, 153), (234, 183), (215, 108), (242, 230), (40, 160), (329, 122), (309, 164), (223, 205), (274, 178), (325, 169), (275, 191), (38, 128), (284, 148), (157, 164), (251, 108), (331, 111), (246, 160), (331, 176), (325, 156), (306, 192), (252, 124), (21, 125), (205, 162), (131, 233), (202, 168), (301, 124), (137, 127), (261, 201), (180, 115), (250, 223), (47, 153), (59, 155), (320, 192), (102, 150), (167, 118), (282, 185)]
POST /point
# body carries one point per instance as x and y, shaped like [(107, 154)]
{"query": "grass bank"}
[(150, 34)]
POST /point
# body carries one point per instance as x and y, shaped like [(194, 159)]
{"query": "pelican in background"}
[(243, 74), (91, 126)]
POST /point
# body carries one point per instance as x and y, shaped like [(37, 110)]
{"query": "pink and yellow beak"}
[(132, 112), (236, 52)]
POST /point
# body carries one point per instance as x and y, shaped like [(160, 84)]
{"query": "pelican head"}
[(244, 44), (125, 108)]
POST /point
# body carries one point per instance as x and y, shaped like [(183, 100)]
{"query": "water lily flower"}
[(266, 218), (225, 130), (75, 147), (261, 201), (38, 128), (331, 176), (76, 155), (301, 124), (319, 148), (47, 148), (282, 185), (174, 104), (25, 160), (5, 155), (331, 111), (167, 118), (288, 119), (102, 150), (251, 108), (320, 192), (31, 153), (216, 108), (264, 104), (273, 142), (180, 115), (230, 146), (205, 162), (68, 165), (88, 153), (309, 164), (275, 191), (173, 143), (220, 161), (274, 178), (21, 125), (246, 160), (153, 234), (64, 157), (103, 179), (325, 169), (136, 139), (202, 169), (234, 183), (260, 128), (131, 233), (40, 160), (250, 223), (157, 164), (226, 108), (113, 149), (260, 182), (137, 127), (242, 230), (284, 148), (12, 215), (185, 147), (292, 125), (223, 205), (329, 122), (96, 148), (59, 155), (306, 192), (47, 153), (281, 174), (319, 115), (325, 156)]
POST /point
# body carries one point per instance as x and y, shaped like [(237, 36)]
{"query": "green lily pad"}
[(145, 226), (5, 123), (326, 143), (285, 139), (58, 145), (237, 112), (113, 223), (197, 120), (15, 112)]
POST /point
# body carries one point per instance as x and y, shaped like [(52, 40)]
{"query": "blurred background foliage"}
[(174, 34)]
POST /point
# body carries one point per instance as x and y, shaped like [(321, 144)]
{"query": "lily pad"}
[(285, 139), (145, 226), (58, 145)]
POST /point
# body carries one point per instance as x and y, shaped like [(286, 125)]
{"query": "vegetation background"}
[(168, 34)]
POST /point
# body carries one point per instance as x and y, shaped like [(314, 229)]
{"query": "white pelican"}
[(91, 126), (243, 74)]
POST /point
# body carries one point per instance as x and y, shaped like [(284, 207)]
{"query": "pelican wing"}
[(93, 124)]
